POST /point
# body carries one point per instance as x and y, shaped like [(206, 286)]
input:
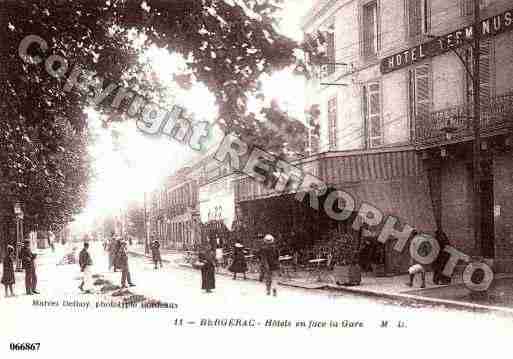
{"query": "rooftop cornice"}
[(320, 8)]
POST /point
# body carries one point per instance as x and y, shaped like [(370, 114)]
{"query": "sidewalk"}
[(167, 255), (453, 295)]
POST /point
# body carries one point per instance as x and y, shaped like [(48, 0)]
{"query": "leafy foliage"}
[(44, 136)]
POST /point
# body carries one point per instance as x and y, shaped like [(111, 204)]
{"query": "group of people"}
[(268, 256), (28, 263), (118, 259)]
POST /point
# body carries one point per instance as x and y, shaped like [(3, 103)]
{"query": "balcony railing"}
[(496, 114)]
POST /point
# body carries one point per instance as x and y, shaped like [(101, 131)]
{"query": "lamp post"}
[(146, 227), (166, 236), (476, 153), (18, 212)]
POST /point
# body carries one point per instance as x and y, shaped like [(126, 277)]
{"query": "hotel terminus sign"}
[(488, 27)]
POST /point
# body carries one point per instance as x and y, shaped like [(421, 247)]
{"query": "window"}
[(332, 123), (467, 6), (419, 17), (370, 29), (373, 126), (419, 97)]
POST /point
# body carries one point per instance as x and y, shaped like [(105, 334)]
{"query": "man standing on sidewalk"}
[(271, 264), (122, 261), (28, 262), (155, 253), (85, 263)]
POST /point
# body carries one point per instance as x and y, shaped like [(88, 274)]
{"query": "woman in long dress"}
[(239, 264), (208, 268), (8, 279)]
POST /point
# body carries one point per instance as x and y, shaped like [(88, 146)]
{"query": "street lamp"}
[(146, 227), (18, 212)]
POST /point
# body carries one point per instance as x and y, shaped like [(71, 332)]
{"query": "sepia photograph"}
[(256, 178)]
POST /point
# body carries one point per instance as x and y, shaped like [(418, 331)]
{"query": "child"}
[(8, 279), (417, 269)]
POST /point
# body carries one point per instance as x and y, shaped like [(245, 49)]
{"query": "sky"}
[(137, 163)]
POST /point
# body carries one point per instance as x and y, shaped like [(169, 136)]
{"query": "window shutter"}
[(374, 115), (370, 29), (467, 7), (415, 17), (422, 93), (414, 128), (485, 71), (330, 38), (365, 111)]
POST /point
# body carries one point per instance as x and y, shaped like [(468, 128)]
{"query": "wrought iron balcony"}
[(455, 123)]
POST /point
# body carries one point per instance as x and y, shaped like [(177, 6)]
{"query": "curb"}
[(189, 266), (370, 293), (424, 300), (137, 254)]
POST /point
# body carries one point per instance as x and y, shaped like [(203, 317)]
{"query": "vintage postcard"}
[(256, 178)]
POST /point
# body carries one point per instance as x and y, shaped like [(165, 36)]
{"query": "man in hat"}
[(85, 262), (413, 271), (122, 262), (28, 262), (155, 253), (111, 248), (270, 261)]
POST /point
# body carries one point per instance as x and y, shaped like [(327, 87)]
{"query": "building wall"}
[(448, 88), (347, 18), (503, 197), (448, 81), (457, 220)]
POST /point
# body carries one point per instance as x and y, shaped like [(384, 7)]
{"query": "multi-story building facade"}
[(189, 197), (174, 208), (396, 101)]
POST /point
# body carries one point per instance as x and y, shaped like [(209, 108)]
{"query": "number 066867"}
[(24, 346)]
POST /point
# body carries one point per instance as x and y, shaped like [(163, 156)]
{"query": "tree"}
[(136, 218), (228, 45)]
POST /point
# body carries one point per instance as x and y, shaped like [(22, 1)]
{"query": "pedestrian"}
[(51, 241), (239, 264), (271, 265), (111, 248), (219, 253), (414, 270), (258, 253), (85, 262), (8, 279), (208, 268), (155, 253), (29, 265), (441, 260), (122, 262), (117, 248)]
